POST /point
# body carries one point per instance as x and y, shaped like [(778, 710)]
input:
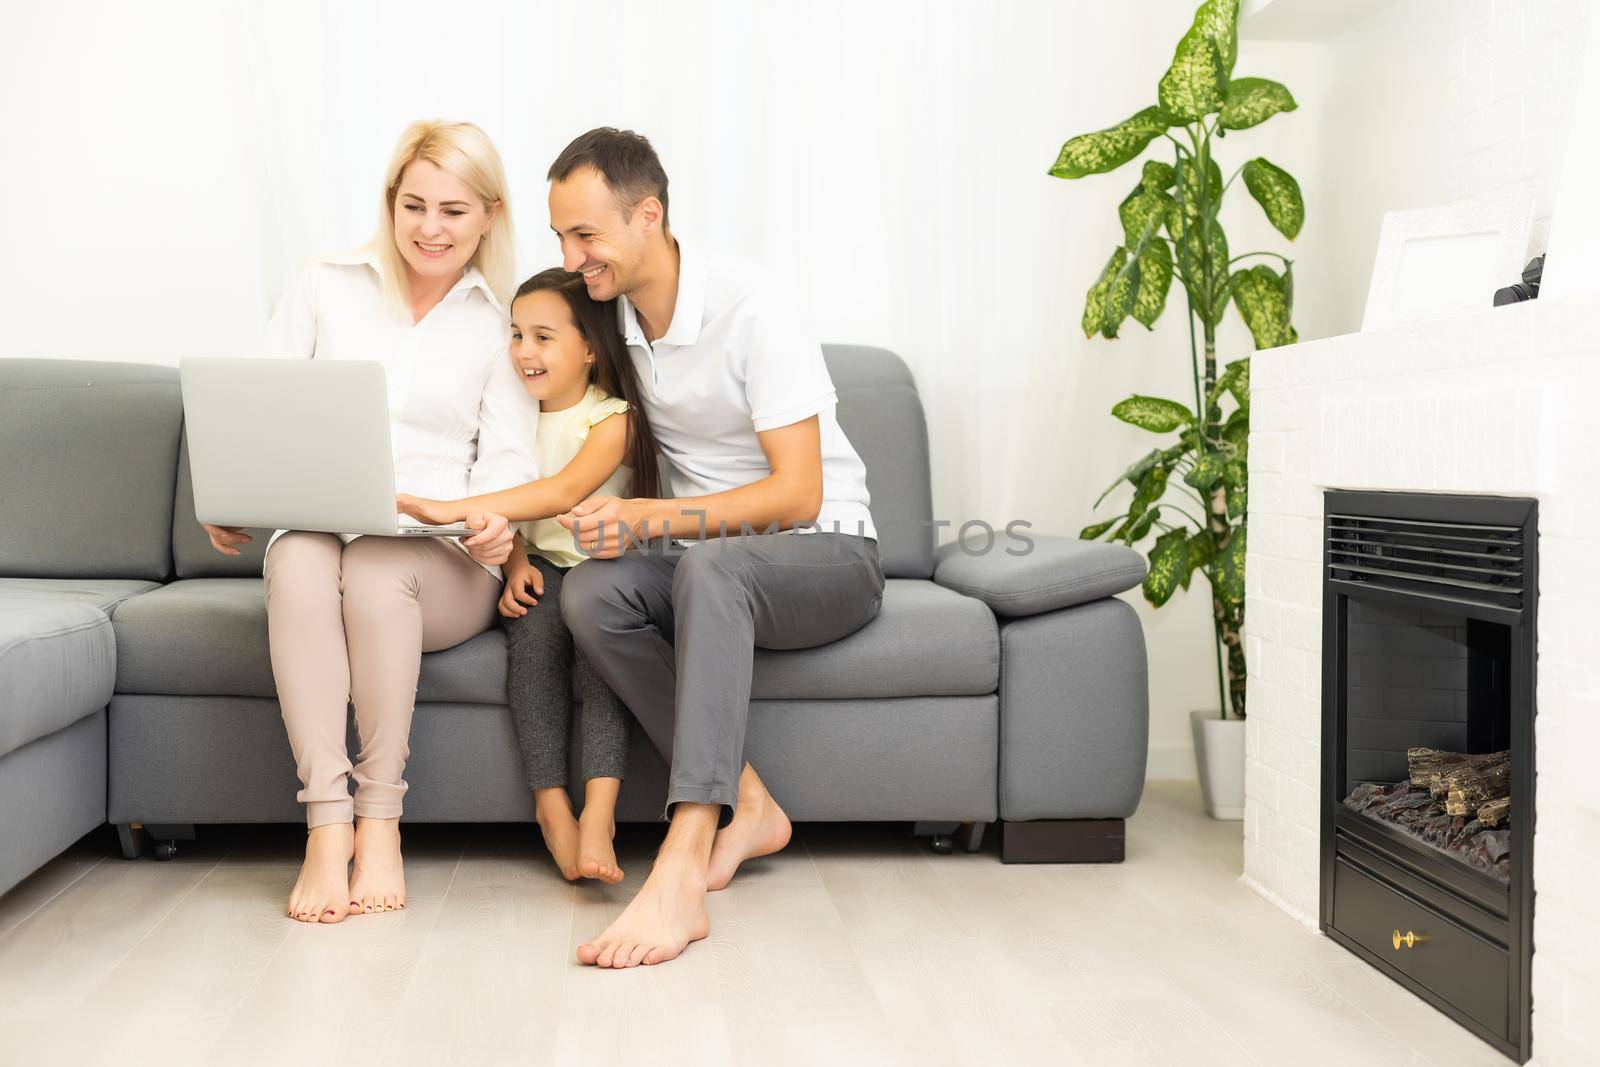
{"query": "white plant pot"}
[(1219, 756)]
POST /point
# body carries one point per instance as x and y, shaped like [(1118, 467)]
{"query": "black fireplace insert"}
[(1429, 604)]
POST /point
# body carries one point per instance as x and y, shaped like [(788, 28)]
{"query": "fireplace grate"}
[(1460, 562)]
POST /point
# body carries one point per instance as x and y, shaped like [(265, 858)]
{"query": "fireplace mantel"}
[(1501, 401)]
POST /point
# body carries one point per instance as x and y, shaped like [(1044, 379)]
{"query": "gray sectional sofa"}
[(136, 689)]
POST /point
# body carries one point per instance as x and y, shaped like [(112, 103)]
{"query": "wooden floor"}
[(856, 945)]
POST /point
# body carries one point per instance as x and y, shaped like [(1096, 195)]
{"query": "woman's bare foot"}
[(379, 880), (597, 857), (659, 923), (322, 892), (758, 828), (552, 810)]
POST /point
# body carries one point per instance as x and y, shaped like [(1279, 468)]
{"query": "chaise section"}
[(57, 665), (102, 593)]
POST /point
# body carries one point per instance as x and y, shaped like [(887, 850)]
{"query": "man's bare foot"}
[(560, 831), (322, 892), (597, 857), (379, 880), (758, 828), (668, 913)]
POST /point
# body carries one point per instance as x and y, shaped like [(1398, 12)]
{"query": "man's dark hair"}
[(627, 162)]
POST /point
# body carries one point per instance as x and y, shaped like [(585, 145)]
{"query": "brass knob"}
[(1408, 939)]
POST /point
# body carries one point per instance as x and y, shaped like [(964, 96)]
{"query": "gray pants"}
[(674, 632), (541, 667)]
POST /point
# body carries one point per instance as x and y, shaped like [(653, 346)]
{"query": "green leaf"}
[(1252, 101), (1206, 472), (1237, 430), (1106, 150), (1152, 487), (1259, 292), (1155, 279), (1142, 212), (1236, 477), (1120, 297), (1157, 176), (1230, 568), (1166, 561), (1089, 533), (1186, 232), (1094, 304), (1188, 182), (1238, 500), (1195, 83), (1142, 527), (1152, 413), (1133, 473), (1199, 549), (1235, 379), (1278, 194), (1219, 20)]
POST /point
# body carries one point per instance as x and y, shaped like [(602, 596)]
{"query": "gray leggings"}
[(542, 665)]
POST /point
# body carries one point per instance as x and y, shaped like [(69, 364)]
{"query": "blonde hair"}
[(465, 151)]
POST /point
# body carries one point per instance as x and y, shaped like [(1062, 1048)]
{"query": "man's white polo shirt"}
[(733, 363)]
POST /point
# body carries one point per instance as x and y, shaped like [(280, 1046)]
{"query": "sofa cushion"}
[(103, 593), (1055, 572), (880, 412), (91, 458), (57, 663), (925, 641), (208, 637)]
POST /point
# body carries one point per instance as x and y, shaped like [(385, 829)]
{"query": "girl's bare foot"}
[(322, 892), (379, 880), (552, 809), (597, 857), (758, 828)]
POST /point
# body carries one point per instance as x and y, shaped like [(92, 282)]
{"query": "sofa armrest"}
[(1056, 572)]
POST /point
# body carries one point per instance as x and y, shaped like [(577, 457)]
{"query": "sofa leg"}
[(970, 836), (130, 836), (1062, 841)]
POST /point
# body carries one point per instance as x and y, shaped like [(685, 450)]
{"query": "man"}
[(766, 488)]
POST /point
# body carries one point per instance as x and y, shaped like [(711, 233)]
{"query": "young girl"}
[(592, 439)]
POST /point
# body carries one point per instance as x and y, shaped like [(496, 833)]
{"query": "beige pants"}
[(348, 624)]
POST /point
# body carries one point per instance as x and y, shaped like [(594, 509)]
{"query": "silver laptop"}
[(294, 444)]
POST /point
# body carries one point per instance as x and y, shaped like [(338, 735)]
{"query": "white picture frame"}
[(1440, 261)]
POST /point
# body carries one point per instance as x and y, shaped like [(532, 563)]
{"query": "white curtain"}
[(885, 160)]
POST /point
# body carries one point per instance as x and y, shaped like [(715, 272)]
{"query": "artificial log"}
[(1495, 811), (1428, 767), (1469, 788)]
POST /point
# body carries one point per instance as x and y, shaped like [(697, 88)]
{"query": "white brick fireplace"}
[(1505, 401)]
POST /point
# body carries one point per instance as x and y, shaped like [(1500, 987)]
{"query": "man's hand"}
[(598, 525), (431, 512), (225, 538), (491, 545), (524, 585)]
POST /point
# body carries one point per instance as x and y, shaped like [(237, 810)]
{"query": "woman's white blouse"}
[(460, 421)]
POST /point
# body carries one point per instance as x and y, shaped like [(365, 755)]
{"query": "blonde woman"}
[(348, 618)]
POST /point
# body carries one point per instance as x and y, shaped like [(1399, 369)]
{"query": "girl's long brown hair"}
[(613, 367)]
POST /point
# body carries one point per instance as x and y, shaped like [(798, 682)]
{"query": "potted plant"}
[(1190, 495)]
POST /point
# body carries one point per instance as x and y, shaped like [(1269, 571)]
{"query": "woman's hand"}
[(491, 545), (431, 512), (224, 538), (524, 585)]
